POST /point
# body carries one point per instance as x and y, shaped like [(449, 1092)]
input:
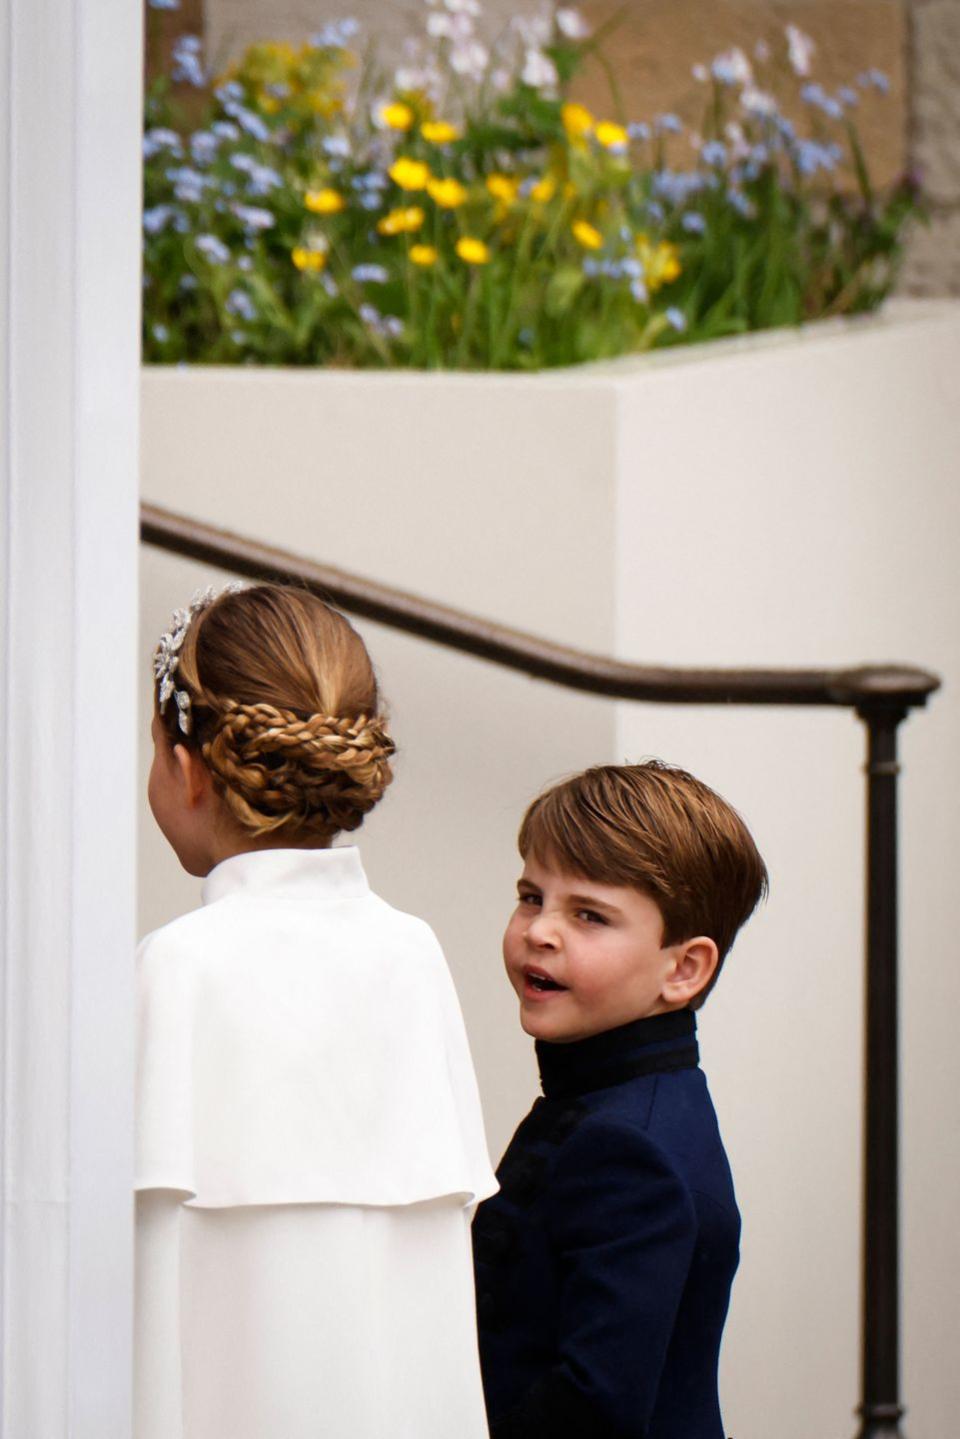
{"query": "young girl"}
[(310, 1144)]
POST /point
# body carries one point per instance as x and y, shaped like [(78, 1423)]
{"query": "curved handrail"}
[(868, 686)]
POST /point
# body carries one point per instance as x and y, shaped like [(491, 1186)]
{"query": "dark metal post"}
[(880, 1409)]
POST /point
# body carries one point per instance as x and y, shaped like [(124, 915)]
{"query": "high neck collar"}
[(318, 874), (647, 1046)]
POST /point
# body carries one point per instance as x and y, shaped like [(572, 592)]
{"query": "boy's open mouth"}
[(541, 982)]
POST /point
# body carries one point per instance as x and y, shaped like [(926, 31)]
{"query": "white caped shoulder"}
[(301, 1041)]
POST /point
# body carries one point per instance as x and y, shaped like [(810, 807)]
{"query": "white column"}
[(69, 298)]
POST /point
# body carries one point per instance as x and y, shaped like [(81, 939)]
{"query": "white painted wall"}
[(69, 291), (744, 503), (504, 511), (806, 509)]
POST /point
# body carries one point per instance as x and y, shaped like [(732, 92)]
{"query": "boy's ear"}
[(696, 964), (194, 775)]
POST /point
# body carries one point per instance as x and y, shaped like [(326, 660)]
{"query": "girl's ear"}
[(696, 964), (194, 775)]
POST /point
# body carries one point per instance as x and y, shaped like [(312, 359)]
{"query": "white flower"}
[(733, 68), (463, 7), (739, 148), (800, 50), (458, 28), (701, 74), (470, 59), (416, 78), (761, 51), (758, 102), (539, 70), (572, 24), (534, 30)]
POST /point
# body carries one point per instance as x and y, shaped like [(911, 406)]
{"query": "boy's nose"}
[(542, 932)]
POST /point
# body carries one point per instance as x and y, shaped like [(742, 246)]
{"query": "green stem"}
[(520, 260), (430, 348), (469, 311)]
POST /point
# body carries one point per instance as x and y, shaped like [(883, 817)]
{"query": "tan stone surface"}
[(936, 102), (657, 42), (161, 28), (932, 264), (233, 24), (651, 51)]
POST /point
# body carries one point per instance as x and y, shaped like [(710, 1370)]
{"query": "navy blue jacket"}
[(604, 1264)]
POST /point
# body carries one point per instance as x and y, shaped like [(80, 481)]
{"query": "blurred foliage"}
[(460, 211)]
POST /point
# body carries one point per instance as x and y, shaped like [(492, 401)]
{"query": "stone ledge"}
[(936, 98), (932, 265)]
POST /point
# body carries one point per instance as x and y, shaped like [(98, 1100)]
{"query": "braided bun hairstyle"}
[(284, 712)]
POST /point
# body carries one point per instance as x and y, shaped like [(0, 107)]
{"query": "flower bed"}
[(463, 211)]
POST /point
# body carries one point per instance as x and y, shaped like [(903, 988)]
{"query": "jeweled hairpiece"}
[(167, 656)]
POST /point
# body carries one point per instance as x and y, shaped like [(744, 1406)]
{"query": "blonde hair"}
[(285, 713), (657, 829)]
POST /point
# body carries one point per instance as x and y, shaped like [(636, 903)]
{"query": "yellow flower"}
[(611, 136), (322, 103), (423, 254), (324, 202), (543, 190), (409, 174), (474, 252), (503, 187), (661, 262), (269, 104), (397, 116), (309, 261), (401, 222), (439, 132), (586, 235), (448, 194), (577, 120), (280, 50)]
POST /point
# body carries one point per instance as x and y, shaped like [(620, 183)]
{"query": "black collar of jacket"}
[(656, 1045)]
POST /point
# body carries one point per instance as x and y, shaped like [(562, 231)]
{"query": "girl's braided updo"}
[(284, 712)]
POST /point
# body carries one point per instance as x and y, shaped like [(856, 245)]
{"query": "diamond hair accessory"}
[(167, 656)]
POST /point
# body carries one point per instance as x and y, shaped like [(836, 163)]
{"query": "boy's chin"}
[(551, 1028)]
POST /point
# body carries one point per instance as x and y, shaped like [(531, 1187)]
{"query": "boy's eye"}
[(528, 898), (591, 916)]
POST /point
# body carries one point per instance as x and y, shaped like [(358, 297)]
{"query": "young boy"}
[(604, 1264)]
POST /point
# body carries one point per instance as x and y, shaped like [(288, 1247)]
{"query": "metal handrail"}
[(541, 658), (881, 695)]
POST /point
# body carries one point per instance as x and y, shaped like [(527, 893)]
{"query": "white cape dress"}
[(309, 1150)]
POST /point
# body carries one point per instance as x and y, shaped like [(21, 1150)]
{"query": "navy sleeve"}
[(622, 1225)]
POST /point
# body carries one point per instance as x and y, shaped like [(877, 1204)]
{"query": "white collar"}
[(319, 874)]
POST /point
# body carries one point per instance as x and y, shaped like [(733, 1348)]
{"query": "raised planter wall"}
[(787, 499)]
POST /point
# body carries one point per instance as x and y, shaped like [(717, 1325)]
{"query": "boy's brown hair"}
[(657, 829)]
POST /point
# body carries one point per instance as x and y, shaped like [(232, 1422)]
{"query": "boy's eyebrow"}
[(590, 901), (523, 883)]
